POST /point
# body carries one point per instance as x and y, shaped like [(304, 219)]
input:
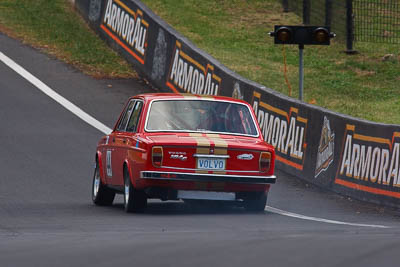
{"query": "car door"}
[(115, 154), (126, 140), (130, 136)]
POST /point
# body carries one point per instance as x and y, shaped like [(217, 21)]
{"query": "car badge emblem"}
[(178, 155), (245, 156), (181, 157)]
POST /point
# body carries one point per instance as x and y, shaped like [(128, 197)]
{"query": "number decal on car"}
[(108, 163)]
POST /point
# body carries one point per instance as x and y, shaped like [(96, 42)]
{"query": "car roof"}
[(164, 96)]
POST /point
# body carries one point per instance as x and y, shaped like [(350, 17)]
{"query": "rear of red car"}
[(189, 159), (241, 163), (172, 147)]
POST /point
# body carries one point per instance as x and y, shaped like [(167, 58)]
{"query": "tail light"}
[(265, 161), (157, 156)]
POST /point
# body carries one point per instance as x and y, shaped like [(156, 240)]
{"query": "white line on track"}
[(54, 95), (309, 218), (106, 130)]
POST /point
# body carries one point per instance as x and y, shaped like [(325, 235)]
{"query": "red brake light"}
[(157, 156), (265, 161)]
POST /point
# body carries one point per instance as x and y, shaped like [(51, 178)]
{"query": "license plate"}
[(211, 164)]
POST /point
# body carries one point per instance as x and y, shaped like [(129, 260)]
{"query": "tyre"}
[(255, 202), (134, 200), (101, 194)]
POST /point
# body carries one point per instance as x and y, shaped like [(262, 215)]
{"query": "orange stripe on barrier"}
[(191, 60), (368, 189), (257, 94), (115, 38), (215, 77), (274, 109), (126, 8), (145, 23), (301, 119), (172, 87), (371, 139), (288, 162)]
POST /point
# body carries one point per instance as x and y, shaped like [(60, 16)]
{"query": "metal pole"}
[(306, 12), (328, 12), (285, 4), (349, 27), (301, 72)]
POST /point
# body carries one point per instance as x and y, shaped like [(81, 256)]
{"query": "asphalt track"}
[(47, 218)]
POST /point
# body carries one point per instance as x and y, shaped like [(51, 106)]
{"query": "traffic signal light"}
[(302, 35)]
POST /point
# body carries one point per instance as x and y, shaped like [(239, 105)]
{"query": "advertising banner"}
[(369, 162)]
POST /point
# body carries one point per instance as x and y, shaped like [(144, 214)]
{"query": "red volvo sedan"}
[(171, 147)]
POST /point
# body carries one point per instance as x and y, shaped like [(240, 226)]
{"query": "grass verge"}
[(55, 27), (236, 33)]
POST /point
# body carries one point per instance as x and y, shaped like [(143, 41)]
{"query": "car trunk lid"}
[(210, 152)]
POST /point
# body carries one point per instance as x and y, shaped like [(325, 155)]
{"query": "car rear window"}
[(201, 116)]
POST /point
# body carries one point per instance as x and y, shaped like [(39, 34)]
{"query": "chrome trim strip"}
[(179, 176), (187, 169), (211, 156)]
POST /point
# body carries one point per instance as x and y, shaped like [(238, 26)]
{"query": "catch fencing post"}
[(301, 71), (306, 11), (349, 28), (328, 12), (285, 4)]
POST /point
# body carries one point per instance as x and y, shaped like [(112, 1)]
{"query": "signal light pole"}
[(302, 35), (301, 71)]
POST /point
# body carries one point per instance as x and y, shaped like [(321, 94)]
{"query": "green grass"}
[(54, 26), (236, 33)]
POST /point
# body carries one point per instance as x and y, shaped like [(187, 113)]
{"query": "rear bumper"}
[(200, 177)]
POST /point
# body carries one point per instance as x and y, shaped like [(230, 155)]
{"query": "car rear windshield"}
[(200, 116)]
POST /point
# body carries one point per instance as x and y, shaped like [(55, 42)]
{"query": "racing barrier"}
[(350, 156)]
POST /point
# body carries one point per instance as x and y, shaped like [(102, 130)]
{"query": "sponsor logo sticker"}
[(94, 10), (237, 93), (245, 156), (127, 28), (283, 129), (370, 163), (108, 163), (325, 148), (189, 76)]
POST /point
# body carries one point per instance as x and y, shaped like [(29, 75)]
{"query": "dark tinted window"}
[(124, 120), (134, 120)]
